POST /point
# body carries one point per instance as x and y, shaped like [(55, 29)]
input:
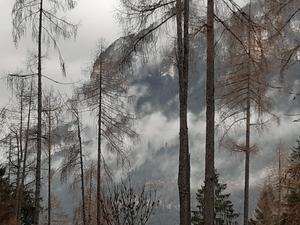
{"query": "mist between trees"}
[(239, 58)]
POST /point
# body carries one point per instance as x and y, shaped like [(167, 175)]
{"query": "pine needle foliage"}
[(224, 210)]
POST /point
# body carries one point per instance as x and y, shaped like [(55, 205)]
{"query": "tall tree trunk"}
[(39, 124), (209, 196), (21, 155), (248, 117), (184, 158), (90, 197), (49, 160), (99, 148), (247, 162), (81, 171), (18, 173), (9, 157), (279, 185), (26, 146), (18, 168)]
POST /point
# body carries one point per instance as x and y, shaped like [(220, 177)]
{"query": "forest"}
[(150, 112)]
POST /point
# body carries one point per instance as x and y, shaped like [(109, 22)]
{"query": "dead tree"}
[(73, 151), (91, 201), (143, 22), (30, 98), (41, 17), (280, 166), (291, 184), (58, 216), (106, 93), (90, 173), (22, 91), (243, 87), (278, 18), (141, 14), (279, 202), (53, 109), (14, 139), (18, 88), (128, 205)]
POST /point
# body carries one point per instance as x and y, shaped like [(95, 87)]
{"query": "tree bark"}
[(90, 197), (39, 124), (248, 118), (209, 201), (81, 172), (18, 174), (49, 161), (184, 158), (247, 166), (19, 184), (26, 146), (99, 148), (9, 157), (279, 185)]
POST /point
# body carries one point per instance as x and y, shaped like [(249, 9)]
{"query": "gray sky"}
[(96, 19)]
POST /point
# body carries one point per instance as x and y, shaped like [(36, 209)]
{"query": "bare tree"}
[(41, 16), (264, 212), (128, 205), (25, 156), (106, 93), (145, 16), (90, 172), (22, 91), (243, 88), (74, 152), (279, 18), (91, 201), (279, 202), (53, 110), (142, 25), (281, 161), (58, 216), (292, 187)]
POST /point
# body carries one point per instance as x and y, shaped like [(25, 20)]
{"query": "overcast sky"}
[(96, 19)]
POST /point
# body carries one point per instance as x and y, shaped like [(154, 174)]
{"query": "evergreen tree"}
[(8, 203), (224, 211)]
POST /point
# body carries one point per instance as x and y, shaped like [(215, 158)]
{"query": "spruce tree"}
[(8, 202), (224, 211)]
